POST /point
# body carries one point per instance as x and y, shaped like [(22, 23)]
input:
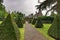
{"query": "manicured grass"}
[(44, 31), (0, 22), (21, 33)]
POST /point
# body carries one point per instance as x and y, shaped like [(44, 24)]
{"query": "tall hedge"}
[(19, 23), (47, 19), (39, 23), (19, 20), (54, 30), (9, 29)]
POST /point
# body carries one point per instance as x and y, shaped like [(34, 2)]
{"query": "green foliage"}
[(1, 1), (19, 20), (19, 23), (39, 23), (53, 15), (30, 20), (34, 21), (47, 19), (55, 27), (2, 10), (9, 29)]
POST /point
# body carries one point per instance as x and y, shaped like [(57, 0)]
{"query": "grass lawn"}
[(0, 22), (21, 33), (44, 31)]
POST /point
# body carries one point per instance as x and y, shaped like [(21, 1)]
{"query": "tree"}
[(1, 1), (19, 19), (39, 9), (45, 4), (2, 10), (53, 14), (55, 27), (39, 23), (9, 29), (56, 23)]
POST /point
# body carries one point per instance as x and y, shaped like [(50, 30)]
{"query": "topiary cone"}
[(9, 29), (54, 30), (39, 23)]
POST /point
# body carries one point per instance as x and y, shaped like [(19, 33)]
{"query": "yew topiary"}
[(54, 30), (19, 20), (39, 23), (9, 29)]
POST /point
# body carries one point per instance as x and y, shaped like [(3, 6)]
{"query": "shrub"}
[(39, 23), (19, 21), (9, 29), (34, 21), (54, 30)]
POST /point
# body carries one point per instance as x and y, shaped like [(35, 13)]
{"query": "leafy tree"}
[(19, 20), (2, 10), (45, 4), (53, 14), (1, 1)]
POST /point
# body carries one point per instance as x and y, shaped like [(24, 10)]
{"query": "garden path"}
[(32, 34)]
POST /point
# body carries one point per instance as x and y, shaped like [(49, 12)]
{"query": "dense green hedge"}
[(19, 20), (39, 23), (19, 23), (1, 19), (9, 29), (47, 19), (54, 30)]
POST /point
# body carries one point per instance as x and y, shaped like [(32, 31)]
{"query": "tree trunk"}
[(39, 12)]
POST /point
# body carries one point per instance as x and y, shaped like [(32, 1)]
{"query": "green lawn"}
[(44, 31), (0, 22), (21, 33)]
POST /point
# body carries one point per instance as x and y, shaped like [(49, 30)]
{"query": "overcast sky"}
[(25, 6)]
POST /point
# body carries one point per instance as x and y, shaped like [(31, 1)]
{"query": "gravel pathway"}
[(32, 34)]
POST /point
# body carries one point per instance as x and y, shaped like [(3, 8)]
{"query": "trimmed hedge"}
[(39, 23), (34, 21), (54, 30), (9, 29), (47, 19), (19, 21)]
